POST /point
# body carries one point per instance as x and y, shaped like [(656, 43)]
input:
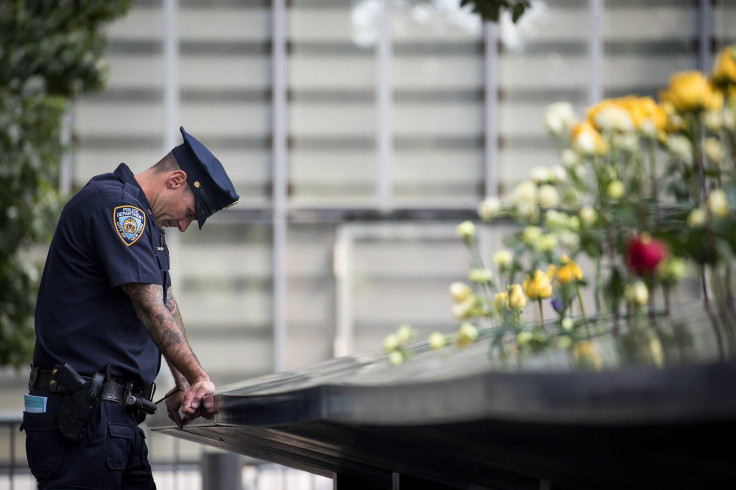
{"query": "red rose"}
[(644, 253)]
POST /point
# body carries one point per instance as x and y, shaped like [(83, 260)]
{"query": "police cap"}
[(212, 188)]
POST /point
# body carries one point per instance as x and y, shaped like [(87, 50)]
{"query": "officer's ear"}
[(176, 179)]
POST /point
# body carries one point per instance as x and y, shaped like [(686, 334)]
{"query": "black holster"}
[(81, 399)]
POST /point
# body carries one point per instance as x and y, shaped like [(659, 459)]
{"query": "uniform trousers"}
[(113, 455)]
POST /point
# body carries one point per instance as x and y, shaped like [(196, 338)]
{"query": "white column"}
[(595, 52), (706, 15), (490, 34), (342, 257), (280, 182), (171, 116), (383, 109)]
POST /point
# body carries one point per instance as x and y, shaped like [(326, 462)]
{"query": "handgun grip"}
[(69, 378)]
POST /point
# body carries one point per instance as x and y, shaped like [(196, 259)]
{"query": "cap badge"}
[(129, 223)]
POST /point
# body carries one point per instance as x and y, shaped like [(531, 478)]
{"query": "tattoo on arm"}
[(164, 324), (161, 322), (171, 302)]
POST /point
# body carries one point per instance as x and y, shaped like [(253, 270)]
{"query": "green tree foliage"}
[(490, 10), (50, 52)]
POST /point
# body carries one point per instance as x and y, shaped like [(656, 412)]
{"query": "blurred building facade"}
[(358, 134)]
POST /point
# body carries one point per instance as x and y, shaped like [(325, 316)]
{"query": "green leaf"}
[(518, 11)]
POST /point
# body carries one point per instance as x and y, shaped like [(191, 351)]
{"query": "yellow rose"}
[(724, 68), (586, 353), (538, 287), (517, 300), (689, 91), (647, 116), (568, 272)]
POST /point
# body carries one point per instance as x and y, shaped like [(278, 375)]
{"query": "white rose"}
[(569, 157), (717, 203), (548, 196), (466, 229), (697, 218), (546, 242), (680, 147), (489, 208), (459, 291), (503, 258), (714, 151), (614, 118), (531, 234), (525, 192), (539, 174), (558, 173), (637, 293), (712, 120), (558, 117), (569, 239), (437, 340), (588, 215)]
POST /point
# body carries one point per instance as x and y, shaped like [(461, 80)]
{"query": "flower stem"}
[(541, 314), (652, 171), (582, 308)]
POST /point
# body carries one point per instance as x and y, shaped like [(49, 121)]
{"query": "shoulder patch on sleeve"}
[(129, 223)]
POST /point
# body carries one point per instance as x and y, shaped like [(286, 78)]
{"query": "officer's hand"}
[(194, 403), (173, 403)]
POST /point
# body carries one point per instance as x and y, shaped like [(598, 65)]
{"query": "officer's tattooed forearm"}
[(164, 324), (171, 303), (173, 307), (160, 322)]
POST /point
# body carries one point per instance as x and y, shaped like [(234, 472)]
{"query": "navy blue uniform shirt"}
[(105, 237)]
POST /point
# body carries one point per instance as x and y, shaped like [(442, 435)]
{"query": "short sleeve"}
[(123, 237)]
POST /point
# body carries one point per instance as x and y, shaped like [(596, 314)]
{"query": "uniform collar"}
[(124, 173)]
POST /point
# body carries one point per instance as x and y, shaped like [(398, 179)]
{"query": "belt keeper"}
[(32, 379)]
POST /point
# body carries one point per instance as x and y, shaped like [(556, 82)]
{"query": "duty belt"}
[(45, 379)]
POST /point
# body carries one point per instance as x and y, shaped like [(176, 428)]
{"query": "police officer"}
[(105, 314)]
